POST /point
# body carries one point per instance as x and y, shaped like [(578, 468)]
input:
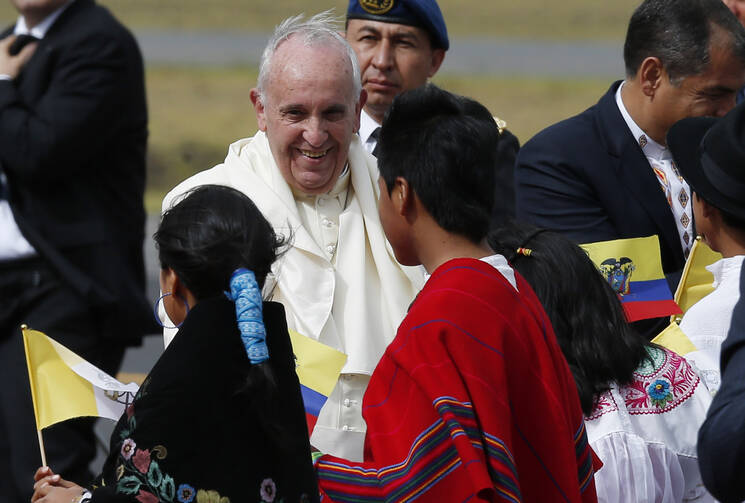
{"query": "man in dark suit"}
[(400, 45), (606, 173), (73, 129)]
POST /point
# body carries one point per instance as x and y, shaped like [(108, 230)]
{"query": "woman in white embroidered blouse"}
[(643, 404)]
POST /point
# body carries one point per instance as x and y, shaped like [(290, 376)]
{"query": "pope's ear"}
[(258, 102)]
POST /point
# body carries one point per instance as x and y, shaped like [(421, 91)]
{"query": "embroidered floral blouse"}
[(646, 432)]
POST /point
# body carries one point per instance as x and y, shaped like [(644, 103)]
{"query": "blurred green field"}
[(196, 113), (529, 19)]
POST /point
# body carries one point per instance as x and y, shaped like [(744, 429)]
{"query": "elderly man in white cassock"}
[(309, 174)]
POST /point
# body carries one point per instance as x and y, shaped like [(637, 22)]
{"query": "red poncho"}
[(472, 400)]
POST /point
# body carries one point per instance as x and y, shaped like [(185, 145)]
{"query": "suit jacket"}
[(721, 439), (73, 130), (587, 178), (194, 426)]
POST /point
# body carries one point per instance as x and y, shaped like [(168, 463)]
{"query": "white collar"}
[(367, 126), (726, 268), (650, 147), (41, 29), (498, 262)]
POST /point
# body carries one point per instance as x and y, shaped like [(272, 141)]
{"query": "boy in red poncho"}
[(473, 400)]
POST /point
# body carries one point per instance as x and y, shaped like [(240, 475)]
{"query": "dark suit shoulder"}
[(565, 135), (86, 25)]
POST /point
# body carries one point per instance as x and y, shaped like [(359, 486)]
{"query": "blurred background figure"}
[(73, 128), (643, 404), (400, 46)]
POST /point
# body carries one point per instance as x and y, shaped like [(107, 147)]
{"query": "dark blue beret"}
[(422, 13)]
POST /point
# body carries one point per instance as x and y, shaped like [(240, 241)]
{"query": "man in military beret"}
[(400, 44)]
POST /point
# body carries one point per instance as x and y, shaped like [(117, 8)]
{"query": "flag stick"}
[(41, 448), (24, 328)]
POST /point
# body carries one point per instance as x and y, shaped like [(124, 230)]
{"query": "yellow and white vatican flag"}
[(64, 385), (674, 339), (696, 282)]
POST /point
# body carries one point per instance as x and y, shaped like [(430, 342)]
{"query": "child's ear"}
[(707, 210), (402, 196)]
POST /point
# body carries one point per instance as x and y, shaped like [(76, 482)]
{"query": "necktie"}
[(375, 135), (20, 42), (676, 192)]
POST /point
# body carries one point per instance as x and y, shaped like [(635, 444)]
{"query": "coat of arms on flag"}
[(633, 268)]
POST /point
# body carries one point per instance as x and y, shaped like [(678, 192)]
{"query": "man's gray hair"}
[(321, 29)]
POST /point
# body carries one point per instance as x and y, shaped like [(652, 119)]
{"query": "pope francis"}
[(309, 174)]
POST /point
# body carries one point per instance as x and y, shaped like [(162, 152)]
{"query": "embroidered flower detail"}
[(186, 493), (141, 460), (160, 452), (128, 448), (119, 472), (130, 410), (659, 392), (146, 497), (211, 497), (268, 490)]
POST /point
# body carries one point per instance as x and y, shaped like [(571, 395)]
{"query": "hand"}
[(50, 487), (12, 65)]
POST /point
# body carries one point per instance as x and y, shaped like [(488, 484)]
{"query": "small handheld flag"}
[(64, 386), (696, 282), (674, 339), (318, 367), (633, 267)]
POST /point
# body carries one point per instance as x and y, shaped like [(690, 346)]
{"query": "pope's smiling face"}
[(309, 112)]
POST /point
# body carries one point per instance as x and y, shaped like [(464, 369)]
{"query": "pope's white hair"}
[(321, 29)]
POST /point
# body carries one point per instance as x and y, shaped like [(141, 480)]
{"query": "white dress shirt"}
[(707, 322), (676, 189), (367, 128)]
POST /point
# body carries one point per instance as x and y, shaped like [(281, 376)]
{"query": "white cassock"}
[(339, 282)]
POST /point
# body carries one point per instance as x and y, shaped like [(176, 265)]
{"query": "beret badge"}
[(376, 6)]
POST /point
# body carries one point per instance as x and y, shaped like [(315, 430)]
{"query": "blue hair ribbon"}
[(245, 292)]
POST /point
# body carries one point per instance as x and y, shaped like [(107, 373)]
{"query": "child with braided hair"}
[(220, 417)]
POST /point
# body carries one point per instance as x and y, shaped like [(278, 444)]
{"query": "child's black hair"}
[(204, 238), (445, 147), (585, 312)]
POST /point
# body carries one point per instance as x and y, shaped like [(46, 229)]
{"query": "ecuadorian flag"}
[(318, 367), (633, 267)]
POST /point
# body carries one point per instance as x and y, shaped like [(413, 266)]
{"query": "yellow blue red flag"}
[(633, 268), (318, 367)]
